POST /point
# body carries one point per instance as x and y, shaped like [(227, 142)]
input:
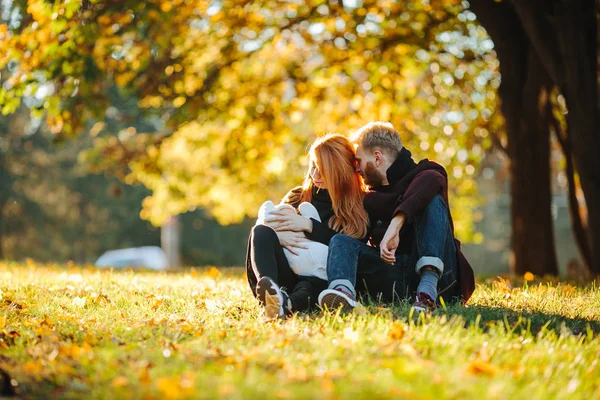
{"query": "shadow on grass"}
[(535, 321)]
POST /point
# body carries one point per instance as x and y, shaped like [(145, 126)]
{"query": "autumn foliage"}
[(236, 90)]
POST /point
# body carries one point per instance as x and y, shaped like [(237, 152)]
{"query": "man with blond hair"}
[(412, 252)]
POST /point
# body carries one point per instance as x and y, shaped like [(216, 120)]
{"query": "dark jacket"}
[(411, 188)]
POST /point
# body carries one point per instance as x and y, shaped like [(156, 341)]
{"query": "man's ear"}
[(378, 157)]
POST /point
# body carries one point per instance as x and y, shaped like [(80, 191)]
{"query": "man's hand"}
[(391, 239)]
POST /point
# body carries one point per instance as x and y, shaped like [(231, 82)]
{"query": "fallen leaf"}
[(213, 272), (481, 364), (397, 331), (47, 321), (480, 367)]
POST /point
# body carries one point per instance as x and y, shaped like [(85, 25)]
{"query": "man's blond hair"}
[(379, 135)]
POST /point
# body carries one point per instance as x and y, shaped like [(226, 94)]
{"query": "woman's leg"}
[(305, 294), (266, 257)]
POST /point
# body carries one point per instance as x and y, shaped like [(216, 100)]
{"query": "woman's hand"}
[(292, 241), (283, 220)]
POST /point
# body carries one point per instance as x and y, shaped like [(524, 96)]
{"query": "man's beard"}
[(371, 175)]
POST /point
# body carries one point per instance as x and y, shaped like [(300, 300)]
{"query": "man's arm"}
[(391, 239), (420, 192)]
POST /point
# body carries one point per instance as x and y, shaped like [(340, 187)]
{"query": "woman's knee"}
[(262, 231)]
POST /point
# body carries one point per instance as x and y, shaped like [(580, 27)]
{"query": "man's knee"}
[(438, 202), (436, 211)]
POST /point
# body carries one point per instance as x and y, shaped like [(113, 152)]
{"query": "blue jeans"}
[(359, 266)]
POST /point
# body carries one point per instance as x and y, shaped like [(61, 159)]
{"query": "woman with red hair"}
[(336, 190)]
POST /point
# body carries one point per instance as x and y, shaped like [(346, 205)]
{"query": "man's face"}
[(366, 166)]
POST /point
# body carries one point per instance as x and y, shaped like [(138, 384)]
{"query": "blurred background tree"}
[(52, 208), (231, 93)]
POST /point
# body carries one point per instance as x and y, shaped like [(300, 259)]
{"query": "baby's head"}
[(286, 208)]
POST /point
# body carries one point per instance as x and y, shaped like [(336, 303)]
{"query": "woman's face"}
[(315, 174)]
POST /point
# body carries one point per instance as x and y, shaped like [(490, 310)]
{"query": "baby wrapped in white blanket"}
[(308, 262)]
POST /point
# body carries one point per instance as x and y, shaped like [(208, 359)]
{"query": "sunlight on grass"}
[(80, 332)]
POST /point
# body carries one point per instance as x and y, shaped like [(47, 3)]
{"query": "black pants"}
[(265, 257)]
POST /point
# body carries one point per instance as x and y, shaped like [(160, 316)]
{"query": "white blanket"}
[(308, 262)]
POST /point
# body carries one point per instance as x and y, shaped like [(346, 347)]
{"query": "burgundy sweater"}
[(411, 188)]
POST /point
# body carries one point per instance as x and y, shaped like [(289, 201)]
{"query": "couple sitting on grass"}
[(332, 241)]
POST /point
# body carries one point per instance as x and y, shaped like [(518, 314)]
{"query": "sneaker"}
[(276, 301), (424, 303), (337, 298)]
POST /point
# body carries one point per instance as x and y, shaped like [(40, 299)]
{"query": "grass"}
[(75, 332)]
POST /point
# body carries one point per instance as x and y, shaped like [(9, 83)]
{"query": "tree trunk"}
[(529, 148), (564, 34), (170, 237), (524, 93), (577, 33)]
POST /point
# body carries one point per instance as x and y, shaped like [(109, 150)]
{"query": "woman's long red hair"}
[(335, 158)]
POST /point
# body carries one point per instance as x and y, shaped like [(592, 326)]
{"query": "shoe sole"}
[(333, 301), (268, 287)]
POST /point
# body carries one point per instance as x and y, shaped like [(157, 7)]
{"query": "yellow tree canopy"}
[(239, 89)]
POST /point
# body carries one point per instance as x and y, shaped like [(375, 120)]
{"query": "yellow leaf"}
[(176, 387), (33, 367), (528, 276), (3, 321), (213, 272), (120, 381), (179, 101), (480, 367), (397, 331), (48, 321)]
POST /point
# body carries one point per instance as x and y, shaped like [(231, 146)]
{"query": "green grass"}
[(71, 332)]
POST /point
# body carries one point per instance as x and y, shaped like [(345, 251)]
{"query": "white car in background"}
[(150, 257)]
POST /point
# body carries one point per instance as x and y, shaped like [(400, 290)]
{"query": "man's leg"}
[(306, 292), (436, 264), (354, 267), (380, 281)]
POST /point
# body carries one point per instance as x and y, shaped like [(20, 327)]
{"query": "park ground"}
[(77, 332)]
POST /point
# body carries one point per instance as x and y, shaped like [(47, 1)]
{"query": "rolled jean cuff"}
[(434, 262), (343, 282)]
